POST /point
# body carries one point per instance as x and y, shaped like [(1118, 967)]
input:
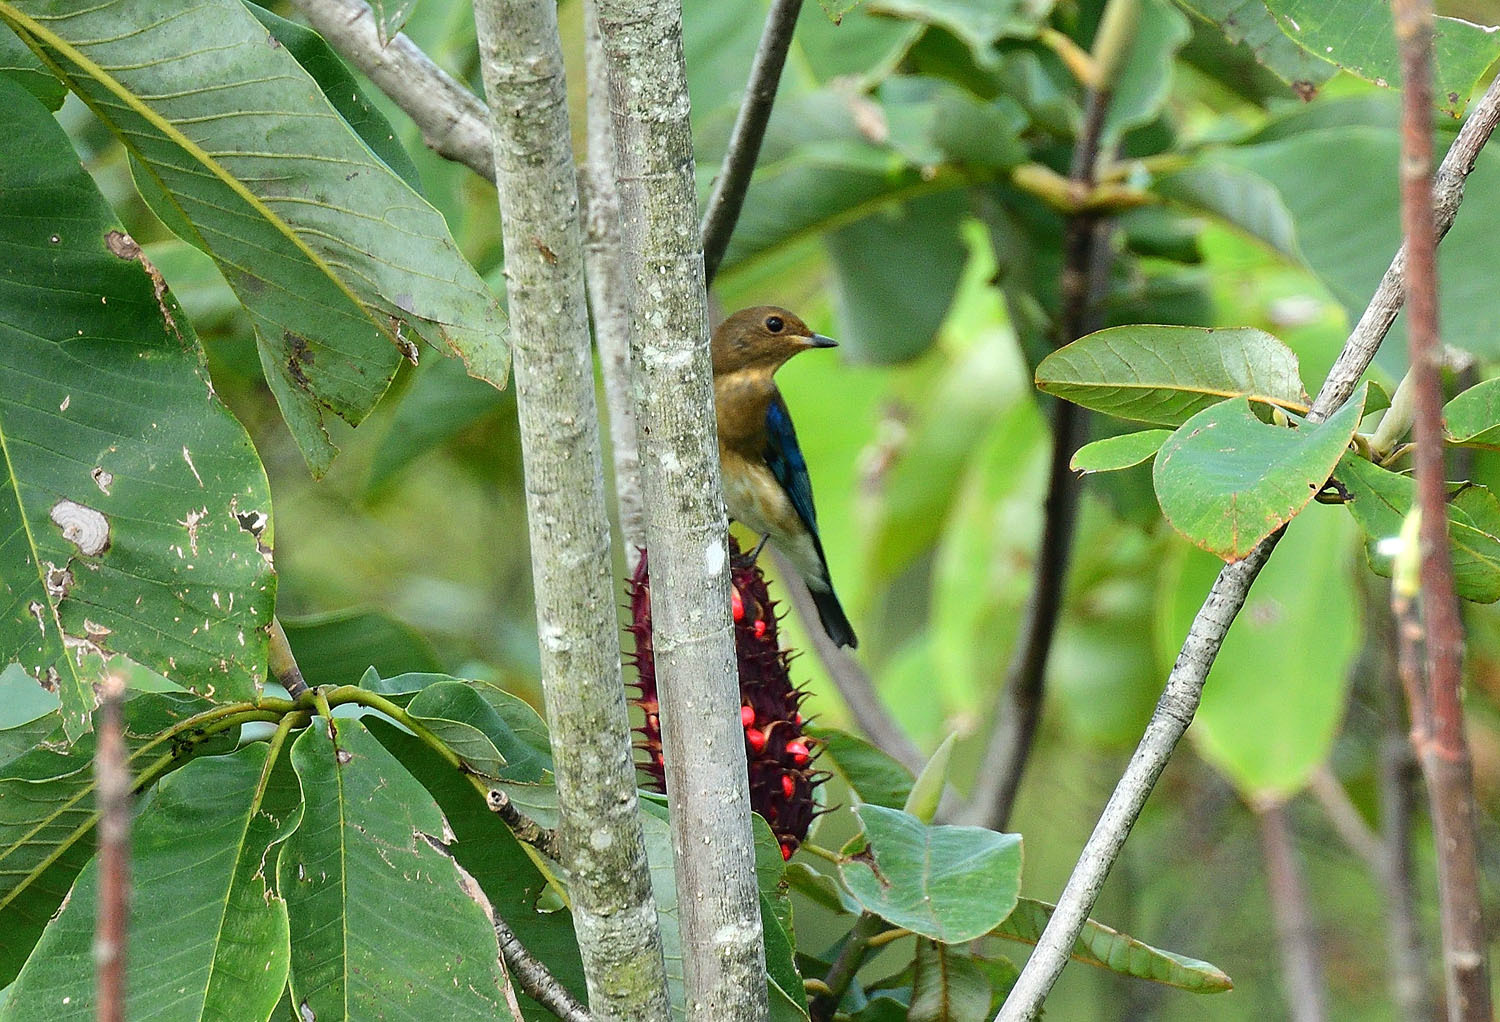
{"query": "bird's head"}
[(762, 337)]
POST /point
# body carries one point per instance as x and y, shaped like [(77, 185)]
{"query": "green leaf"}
[(1117, 452), (1145, 78), (47, 811), (1360, 38), (330, 252), (1249, 22), (1240, 198), (927, 792), (487, 849), (342, 89), (980, 25), (890, 305), (441, 402), (788, 998), (337, 648), (1110, 949), (459, 714), (383, 923), (951, 884), (1473, 417), (201, 844), (109, 425), (947, 986), (1277, 691), (18, 62), (1380, 501), (1168, 374), (820, 888), (872, 776), (1226, 480)]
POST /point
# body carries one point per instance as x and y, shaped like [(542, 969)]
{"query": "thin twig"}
[(1085, 278), (112, 780), (1296, 934), (1438, 733), (1179, 700), (854, 685), (1398, 779), (851, 956), (525, 829), (535, 979), (282, 664), (733, 180), (1346, 819), (453, 120)]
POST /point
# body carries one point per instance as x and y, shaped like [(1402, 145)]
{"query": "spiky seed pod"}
[(779, 754)]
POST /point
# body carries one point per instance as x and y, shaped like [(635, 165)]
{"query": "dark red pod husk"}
[(780, 756)]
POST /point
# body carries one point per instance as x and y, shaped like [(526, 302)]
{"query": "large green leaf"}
[(383, 924), (487, 849), (1359, 36), (1380, 500), (1118, 952), (133, 510), (1339, 184), (18, 62), (337, 648), (1168, 374), (980, 24), (329, 250), (1226, 480), (787, 995), (1242, 199), (947, 985), (951, 884), (872, 776), (200, 845), (1249, 22), (1276, 694), (1145, 77), (47, 811)]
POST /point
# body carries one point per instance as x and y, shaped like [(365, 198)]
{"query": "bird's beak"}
[(819, 341)]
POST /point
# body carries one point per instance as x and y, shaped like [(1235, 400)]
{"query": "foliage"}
[(251, 219)]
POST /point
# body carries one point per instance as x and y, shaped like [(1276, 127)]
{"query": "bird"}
[(766, 485)]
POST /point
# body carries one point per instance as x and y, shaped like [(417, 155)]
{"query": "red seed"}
[(798, 751), (788, 786), (796, 718), (747, 716), (736, 604), (786, 850), (757, 739), (760, 629)]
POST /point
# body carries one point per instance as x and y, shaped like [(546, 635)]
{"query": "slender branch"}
[(526, 830), (1296, 934), (845, 966), (703, 742), (535, 979), (112, 780), (1085, 277), (282, 664), (1398, 780), (605, 259), (1179, 700), (603, 847), (1345, 817), (733, 179), (453, 120), (854, 685), (1439, 739)]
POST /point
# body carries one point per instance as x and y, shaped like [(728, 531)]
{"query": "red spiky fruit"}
[(779, 754)]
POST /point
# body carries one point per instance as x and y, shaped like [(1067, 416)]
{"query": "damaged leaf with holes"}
[(134, 512)]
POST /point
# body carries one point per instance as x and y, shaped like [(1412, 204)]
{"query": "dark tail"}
[(831, 613)]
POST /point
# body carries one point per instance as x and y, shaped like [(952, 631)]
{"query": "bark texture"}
[(685, 524), (602, 843)]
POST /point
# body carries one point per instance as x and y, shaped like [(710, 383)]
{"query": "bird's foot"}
[(748, 560)]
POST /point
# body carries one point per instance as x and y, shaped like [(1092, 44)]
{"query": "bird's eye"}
[(774, 324)]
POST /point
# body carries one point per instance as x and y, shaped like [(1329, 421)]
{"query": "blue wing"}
[(784, 457)]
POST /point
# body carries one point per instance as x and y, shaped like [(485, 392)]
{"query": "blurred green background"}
[(928, 446)]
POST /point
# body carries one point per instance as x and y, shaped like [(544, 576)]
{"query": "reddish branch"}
[(1437, 708), (112, 776)]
